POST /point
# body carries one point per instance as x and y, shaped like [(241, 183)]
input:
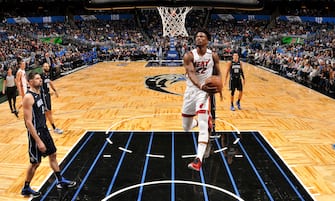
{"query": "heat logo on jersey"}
[(201, 66), (162, 82)]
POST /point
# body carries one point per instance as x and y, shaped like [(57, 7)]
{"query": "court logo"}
[(162, 82)]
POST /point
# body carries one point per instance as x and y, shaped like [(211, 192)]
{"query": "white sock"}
[(201, 150)]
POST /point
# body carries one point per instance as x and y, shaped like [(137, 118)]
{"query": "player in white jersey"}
[(21, 79), (200, 63)]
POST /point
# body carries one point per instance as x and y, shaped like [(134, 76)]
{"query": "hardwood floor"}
[(298, 122)]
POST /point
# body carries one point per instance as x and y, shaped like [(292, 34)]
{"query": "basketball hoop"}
[(173, 20)]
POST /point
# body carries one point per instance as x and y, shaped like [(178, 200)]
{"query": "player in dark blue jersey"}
[(46, 86), (237, 80), (39, 138)]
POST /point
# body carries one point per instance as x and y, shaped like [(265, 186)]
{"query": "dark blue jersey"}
[(46, 82), (236, 70), (38, 116)]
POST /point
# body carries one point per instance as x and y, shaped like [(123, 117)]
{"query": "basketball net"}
[(173, 20)]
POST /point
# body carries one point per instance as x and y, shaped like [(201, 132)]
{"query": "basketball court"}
[(127, 165), (285, 148)]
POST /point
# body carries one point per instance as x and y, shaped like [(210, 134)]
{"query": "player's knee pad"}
[(187, 123), (203, 127)]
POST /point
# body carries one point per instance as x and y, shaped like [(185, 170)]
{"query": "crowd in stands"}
[(310, 62)]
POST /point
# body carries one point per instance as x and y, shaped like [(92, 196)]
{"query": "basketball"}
[(214, 81)]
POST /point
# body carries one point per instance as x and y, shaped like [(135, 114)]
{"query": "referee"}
[(9, 88)]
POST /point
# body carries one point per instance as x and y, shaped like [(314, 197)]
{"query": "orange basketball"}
[(214, 81)]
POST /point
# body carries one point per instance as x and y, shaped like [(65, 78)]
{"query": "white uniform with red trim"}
[(195, 99), (24, 82)]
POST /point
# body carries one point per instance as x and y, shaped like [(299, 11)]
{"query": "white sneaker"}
[(58, 131)]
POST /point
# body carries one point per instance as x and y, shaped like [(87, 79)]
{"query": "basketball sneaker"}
[(195, 164), (64, 183), (232, 108), (58, 131), (238, 105), (27, 191)]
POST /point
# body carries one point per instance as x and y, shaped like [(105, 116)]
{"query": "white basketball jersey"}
[(203, 66), (23, 80)]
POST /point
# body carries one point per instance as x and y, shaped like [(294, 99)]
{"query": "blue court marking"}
[(67, 166), (172, 169), (279, 168), (140, 192), (201, 173), (333, 146), (118, 166), (91, 168), (228, 169), (254, 169)]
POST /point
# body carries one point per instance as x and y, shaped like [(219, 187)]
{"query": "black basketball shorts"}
[(47, 101), (35, 154)]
